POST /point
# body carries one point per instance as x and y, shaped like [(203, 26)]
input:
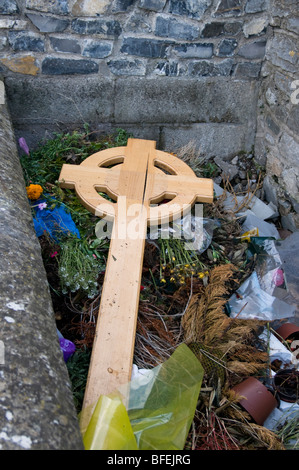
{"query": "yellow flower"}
[(163, 280), (201, 275), (34, 191)]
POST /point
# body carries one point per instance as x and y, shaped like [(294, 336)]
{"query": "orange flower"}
[(34, 191)]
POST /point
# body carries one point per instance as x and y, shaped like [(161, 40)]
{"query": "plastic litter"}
[(269, 266), (278, 351), (56, 222), (253, 204), (67, 347), (196, 232), (160, 407), (251, 301), (265, 229)]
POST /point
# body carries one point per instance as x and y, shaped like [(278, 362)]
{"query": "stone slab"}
[(37, 410)]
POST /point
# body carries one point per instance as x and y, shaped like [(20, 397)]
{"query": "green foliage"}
[(77, 268), (43, 165), (77, 367)]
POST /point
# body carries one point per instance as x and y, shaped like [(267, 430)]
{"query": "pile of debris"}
[(210, 314)]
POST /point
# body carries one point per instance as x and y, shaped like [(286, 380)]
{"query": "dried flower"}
[(23, 145), (34, 191)]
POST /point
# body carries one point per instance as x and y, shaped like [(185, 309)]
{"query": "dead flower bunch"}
[(206, 323)]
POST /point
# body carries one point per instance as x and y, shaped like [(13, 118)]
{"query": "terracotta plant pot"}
[(287, 331), (259, 402), (286, 384)]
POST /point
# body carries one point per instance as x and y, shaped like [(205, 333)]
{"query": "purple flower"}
[(23, 145), (42, 206)]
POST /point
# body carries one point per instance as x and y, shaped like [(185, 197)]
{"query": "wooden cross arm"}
[(88, 182), (187, 187)]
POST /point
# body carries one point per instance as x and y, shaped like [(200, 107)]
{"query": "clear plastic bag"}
[(195, 231)]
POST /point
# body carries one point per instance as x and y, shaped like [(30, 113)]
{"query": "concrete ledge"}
[(36, 404), (147, 107)]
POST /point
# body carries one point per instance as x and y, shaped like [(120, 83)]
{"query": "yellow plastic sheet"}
[(109, 427), (159, 409)]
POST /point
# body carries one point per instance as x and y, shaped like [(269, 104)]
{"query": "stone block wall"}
[(169, 70), (277, 139)]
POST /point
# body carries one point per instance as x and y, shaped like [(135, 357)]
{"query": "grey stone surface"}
[(36, 404), (65, 45), (205, 68), (227, 47), (45, 102), (58, 7), (222, 140), (48, 24), (188, 103), (229, 7), (127, 67), (194, 50), (155, 5), (96, 26), (8, 7), (253, 50), (38, 106), (59, 66), (255, 6), (172, 28), (248, 70), (144, 47), (189, 8), (97, 49), (26, 41)]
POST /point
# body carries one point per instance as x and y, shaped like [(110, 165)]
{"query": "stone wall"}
[(36, 407), (277, 140), (169, 70)]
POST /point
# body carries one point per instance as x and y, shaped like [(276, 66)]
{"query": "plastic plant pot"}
[(258, 401), (287, 331), (286, 385)]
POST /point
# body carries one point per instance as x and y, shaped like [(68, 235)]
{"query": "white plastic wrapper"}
[(252, 302)]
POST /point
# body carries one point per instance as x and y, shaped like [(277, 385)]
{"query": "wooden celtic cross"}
[(140, 177)]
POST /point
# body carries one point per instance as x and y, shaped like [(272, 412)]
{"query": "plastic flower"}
[(23, 145), (42, 206), (34, 191)]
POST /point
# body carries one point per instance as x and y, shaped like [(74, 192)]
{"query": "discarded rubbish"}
[(67, 347), (265, 229), (286, 384), (55, 222), (251, 301), (256, 399), (196, 232), (171, 402), (160, 407), (254, 205), (269, 267), (288, 332)]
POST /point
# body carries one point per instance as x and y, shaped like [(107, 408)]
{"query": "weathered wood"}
[(138, 176)]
